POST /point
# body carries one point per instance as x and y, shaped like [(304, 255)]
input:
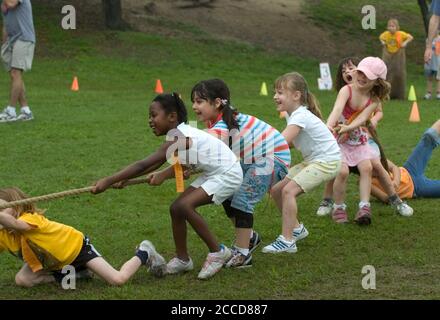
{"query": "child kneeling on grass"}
[(46, 247)]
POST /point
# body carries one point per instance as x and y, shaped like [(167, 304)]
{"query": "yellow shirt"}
[(10, 241), (406, 186), (55, 245), (393, 42)]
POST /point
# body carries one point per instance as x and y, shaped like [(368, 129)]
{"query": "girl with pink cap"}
[(354, 105)]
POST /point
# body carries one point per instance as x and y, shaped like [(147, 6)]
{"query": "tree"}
[(113, 15), (425, 14)]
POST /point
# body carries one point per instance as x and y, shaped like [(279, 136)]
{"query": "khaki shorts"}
[(310, 175), (18, 55)]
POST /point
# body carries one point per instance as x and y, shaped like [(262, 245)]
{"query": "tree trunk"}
[(113, 15), (425, 14)]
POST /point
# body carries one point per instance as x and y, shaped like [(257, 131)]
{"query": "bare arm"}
[(408, 40), (433, 27), (157, 178), (9, 222), (378, 115), (10, 4), (360, 119), (136, 169), (290, 133), (340, 102)]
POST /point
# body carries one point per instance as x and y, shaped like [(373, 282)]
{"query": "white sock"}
[(342, 206), (25, 109), (11, 111), (363, 204), (243, 251)]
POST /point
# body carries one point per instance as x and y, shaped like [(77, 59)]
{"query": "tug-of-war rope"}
[(63, 194)]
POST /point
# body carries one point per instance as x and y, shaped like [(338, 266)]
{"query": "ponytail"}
[(313, 105)]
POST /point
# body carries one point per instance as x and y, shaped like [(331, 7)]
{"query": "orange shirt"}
[(406, 187)]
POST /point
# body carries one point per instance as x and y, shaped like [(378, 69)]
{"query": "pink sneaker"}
[(340, 215), (363, 216)]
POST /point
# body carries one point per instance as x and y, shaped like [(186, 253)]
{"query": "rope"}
[(62, 194)]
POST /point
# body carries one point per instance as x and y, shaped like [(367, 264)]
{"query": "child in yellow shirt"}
[(394, 42), (46, 247)]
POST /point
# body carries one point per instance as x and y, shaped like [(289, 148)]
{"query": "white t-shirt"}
[(207, 153), (315, 141)]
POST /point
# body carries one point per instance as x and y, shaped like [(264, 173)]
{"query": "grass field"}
[(78, 137)]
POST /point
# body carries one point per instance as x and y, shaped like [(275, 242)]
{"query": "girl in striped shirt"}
[(264, 157)]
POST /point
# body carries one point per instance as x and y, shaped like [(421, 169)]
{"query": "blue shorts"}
[(430, 73), (257, 180)]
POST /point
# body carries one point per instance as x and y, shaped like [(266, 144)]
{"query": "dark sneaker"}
[(239, 260), (254, 242), (363, 216)]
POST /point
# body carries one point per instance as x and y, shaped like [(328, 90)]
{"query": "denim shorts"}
[(257, 180)]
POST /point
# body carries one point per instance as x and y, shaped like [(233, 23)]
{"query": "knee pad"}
[(243, 219), (230, 212)]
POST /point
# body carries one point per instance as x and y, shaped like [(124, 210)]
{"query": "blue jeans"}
[(417, 162), (257, 180)]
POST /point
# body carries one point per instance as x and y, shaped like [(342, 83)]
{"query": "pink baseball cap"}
[(373, 68)]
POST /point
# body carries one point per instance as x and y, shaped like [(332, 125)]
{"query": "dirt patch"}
[(276, 25), (273, 24)]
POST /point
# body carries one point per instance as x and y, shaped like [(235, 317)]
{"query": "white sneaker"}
[(404, 209), (156, 263), (280, 245), (427, 96), (5, 116), (325, 208), (25, 116), (214, 262), (300, 232), (175, 266)]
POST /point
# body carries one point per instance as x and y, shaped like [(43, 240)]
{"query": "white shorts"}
[(222, 186)]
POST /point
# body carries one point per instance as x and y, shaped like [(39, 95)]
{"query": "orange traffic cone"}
[(414, 116), (75, 86), (159, 88)]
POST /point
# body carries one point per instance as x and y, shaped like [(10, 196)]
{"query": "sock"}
[(11, 111), (252, 234), (363, 204), (142, 255), (298, 228), (25, 109), (243, 251), (342, 206), (394, 199), (329, 200)]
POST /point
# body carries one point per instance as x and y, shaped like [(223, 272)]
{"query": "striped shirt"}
[(256, 140)]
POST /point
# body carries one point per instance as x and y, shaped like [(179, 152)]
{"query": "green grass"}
[(344, 22), (78, 137)]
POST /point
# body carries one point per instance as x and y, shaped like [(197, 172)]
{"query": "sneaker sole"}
[(284, 251), (364, 221)]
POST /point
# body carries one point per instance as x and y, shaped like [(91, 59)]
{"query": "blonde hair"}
[(381, 90), (15, 194), (395, 22), (294, 81)]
